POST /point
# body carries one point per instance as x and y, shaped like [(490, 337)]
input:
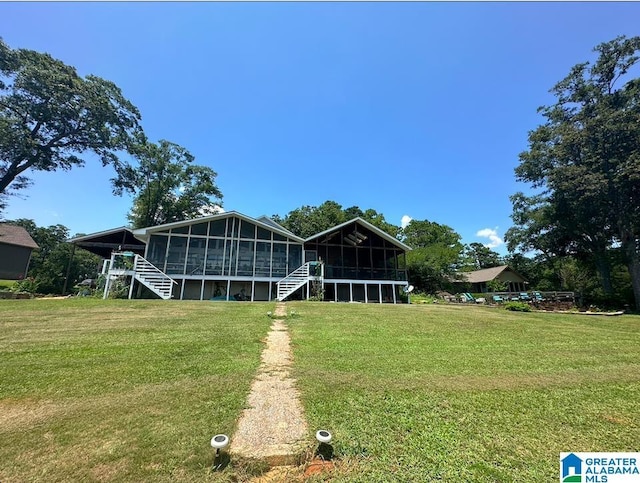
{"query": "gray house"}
[(15, 251), (231, 256)]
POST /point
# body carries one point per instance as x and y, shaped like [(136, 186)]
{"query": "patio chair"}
[(524, 296), (497, 299)]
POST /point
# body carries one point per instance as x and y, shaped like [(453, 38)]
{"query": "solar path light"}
[(219, 441)]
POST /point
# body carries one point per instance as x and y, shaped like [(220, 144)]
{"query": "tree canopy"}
[(436, 254), (166, 185), (309, 220), (584, 163), (50, 116)]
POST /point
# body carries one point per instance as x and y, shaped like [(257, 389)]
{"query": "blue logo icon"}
[(571, 469)]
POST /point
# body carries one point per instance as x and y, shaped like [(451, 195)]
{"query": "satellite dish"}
[(408, 289)]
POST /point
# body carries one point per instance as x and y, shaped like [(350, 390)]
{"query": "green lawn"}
[(94, 390), (5, 284), (427, 392)]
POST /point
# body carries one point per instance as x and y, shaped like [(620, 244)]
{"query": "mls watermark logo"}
[(600, 467)]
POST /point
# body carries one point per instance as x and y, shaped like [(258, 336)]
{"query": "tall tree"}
[(167, 186), (585, 163), (50, 116), (477, 256), (436, 254)]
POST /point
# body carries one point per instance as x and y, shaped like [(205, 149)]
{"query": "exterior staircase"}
[(140, 269), (300, 277), (153, 278)]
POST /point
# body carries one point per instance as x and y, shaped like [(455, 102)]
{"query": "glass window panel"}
[(247, 230), (278, 237), (157, 250), (295, 257), (199, 228), (264, 234), (263, 259), (245, 258), (231, 253), (217, 227), (215, 257), (279, 260), (177, 254), (181, 229), (195, 257)]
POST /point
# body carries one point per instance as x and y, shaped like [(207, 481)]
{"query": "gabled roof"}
[(487, 274), (104, 242), (143, 233), (16, 235), (366, 224), (269, 221), (91, 236)]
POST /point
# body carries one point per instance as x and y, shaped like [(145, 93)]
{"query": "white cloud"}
[(405, 221), (492, 235)]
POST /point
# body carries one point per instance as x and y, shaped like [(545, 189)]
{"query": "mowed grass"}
[(94, 390), (451, 393)]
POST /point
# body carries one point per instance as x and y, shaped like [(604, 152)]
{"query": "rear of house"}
[(230, 256)]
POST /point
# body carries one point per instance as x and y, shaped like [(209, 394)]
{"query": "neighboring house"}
[(15, 251), (230, 256), (479, 278)]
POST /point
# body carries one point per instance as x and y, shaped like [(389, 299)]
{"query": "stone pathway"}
[(272, 428)]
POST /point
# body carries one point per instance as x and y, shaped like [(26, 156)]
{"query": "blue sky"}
[(412, 109)]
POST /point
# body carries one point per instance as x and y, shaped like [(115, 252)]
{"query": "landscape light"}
[(323, 436), (219, 441)]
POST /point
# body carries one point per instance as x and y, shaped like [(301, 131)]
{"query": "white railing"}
[(126, 264), (295, 280), (153, 278)]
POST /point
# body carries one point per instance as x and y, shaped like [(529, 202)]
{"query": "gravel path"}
[(272, 428)]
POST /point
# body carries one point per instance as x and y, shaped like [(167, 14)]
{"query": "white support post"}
[(350, 291), (228, 288), (133, 278), (393, 287), (366, 293), (380, 292)]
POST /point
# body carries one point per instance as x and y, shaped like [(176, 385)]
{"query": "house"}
[(479, 278), (231, 256), (15, 251)]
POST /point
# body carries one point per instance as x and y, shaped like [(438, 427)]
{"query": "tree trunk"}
[(632, 254)]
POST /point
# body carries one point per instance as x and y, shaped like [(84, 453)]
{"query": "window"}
[(247, 230), (157, 250), (263, 259), (199, 228), (215, 257), (264, 234), (195, 257), (217, 227), (245, 258), (177, 254), (279, 260)]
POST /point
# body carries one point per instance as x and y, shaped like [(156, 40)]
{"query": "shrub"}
[(517, 306), (29, 285)]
